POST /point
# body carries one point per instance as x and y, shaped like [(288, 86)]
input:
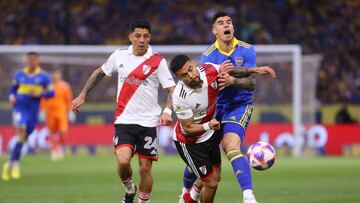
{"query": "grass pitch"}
[(93, 179)]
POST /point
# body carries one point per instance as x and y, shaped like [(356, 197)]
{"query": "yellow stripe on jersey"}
[(30, 88), (209, 50), (244, 44)]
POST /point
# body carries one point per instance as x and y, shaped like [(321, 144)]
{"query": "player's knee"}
[(211, 183), (123, 161), (144, 170)]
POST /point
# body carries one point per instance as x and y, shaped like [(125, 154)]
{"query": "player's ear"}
[(214, 31)]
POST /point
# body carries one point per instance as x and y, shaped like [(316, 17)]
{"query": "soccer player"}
[(234, 105), (57, 112), (194, 101), (137, 113), (28, 87)]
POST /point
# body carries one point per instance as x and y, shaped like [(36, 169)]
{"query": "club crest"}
[(203, 169), (239, 61), (146, 69)]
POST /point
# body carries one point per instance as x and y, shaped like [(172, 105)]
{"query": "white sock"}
[(129, 185), (248, 194), (195, 192), (144, 197)]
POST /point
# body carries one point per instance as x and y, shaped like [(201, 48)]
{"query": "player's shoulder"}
[(209, 50), (181, 91), (243, 44), (214, 68), (120, 51)]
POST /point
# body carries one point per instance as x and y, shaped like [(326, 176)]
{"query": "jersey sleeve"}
[(48, 87), (181, 108), (164, 75), (14, 84), (250, 59), (216, 66), (109, 67), (204, 59)]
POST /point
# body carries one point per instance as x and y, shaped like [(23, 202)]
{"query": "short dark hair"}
[(140, 24), (178, 62), (218, 15), (32, 53)]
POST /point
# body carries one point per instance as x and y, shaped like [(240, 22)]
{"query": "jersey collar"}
[(235, 42), (147, 55), (27, 71)]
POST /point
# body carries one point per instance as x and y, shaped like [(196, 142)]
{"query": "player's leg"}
[(52, 125), (147, 150), (124, 143), (146, 180), (235, 123), (63, 129), (189, 179)]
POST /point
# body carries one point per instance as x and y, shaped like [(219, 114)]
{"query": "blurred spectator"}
[(343, 115)]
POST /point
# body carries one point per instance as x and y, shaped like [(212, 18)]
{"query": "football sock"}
[(195, 192), (144, 197), (189, 178), (248, 194), (241, 168), (129, 185), (16, 152)]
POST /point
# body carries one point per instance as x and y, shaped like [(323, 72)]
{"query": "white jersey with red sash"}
[(198, 103), (138, 83)]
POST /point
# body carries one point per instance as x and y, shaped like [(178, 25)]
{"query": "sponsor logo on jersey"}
[(203, 169), (133, 81), (146, 69), (239, 61)]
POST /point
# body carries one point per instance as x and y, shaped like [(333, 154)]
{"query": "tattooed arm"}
[(93, 80), (243, 77)]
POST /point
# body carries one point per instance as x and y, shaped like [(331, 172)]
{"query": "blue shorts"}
[(25, 118), (234, 120)]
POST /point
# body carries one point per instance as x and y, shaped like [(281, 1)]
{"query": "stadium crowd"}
[(329, 27)]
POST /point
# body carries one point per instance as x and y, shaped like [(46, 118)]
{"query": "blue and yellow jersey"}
[(241, 55), (24, 84)]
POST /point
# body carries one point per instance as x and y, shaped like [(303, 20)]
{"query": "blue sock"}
[(241, 168), (16, 152), (189, 178)]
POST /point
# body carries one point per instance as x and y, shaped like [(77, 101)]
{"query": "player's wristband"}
[(168, 111), (206, 126)]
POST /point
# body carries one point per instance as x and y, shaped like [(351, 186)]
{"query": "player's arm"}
[(192, 129), (13, 89), (167, 82), (92, 81)]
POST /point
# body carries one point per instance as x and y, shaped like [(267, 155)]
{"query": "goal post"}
[(287, 91)]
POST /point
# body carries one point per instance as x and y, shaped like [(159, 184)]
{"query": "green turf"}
[(84, 179)]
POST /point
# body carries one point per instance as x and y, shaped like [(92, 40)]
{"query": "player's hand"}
[(263, 70), (12, 99), (77, 102), (226, 66), (214, 124), (165, 119), (225, 80)]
